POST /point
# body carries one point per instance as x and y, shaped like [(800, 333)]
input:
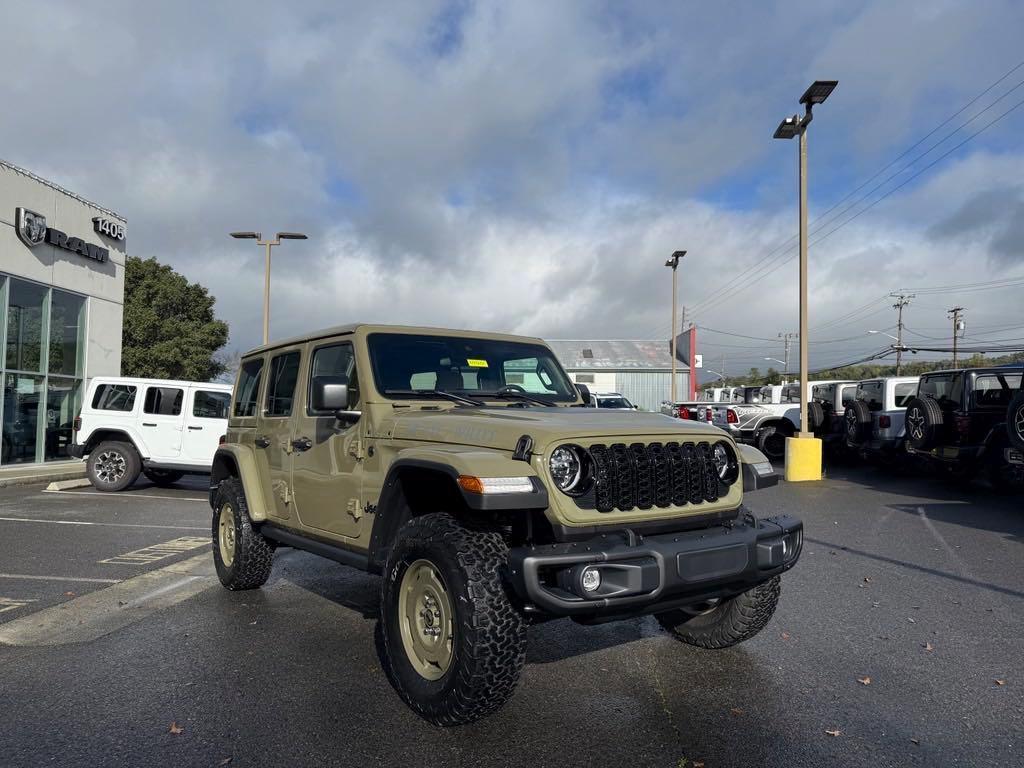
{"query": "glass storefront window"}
[(42, 338), (26, 304), (67, 330), (22, 396), (63, 402)]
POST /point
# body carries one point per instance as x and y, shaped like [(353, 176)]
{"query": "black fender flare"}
[(392, 511)]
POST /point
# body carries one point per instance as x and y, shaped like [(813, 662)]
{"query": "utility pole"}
[(902, 299), (673, 262), (958, 326), (787, 339)]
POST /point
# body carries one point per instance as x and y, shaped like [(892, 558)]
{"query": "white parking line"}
[(96, 494), (11, 604), (57, 578), (114, 525)]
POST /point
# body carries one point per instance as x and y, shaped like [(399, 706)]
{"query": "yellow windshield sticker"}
[(476, 363)]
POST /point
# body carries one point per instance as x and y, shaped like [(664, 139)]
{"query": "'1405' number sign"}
[(108, 228)]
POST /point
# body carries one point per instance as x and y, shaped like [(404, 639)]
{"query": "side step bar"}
[(324, 549)]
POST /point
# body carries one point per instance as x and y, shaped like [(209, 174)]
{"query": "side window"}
[(903, 393), (163, 401), (995, 390), (248, 387), (211, 405), (284, 375), (336, 360), (114, 397)]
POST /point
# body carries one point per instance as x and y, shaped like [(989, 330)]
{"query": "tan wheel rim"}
[(226, 534), (425, 618)]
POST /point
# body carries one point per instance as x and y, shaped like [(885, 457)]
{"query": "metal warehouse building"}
[(640, 370)]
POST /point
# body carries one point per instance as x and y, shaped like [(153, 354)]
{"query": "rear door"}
[(161, 421), (206, 419)]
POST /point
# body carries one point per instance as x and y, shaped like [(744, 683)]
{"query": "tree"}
[(170, 331)]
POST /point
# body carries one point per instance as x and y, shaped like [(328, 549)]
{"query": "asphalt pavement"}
[(898, 641)]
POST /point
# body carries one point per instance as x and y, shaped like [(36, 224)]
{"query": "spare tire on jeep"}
[(924, 420), (857, 423), (815, 416), (1015, 421)]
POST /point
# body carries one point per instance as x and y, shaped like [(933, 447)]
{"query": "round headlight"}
[(566, 467), (724, 458)]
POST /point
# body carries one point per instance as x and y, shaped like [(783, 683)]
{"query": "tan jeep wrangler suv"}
[(461, 467)]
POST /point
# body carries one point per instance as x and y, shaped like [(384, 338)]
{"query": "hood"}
[(500, 427)]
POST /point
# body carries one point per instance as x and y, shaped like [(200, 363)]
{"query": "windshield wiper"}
[(434, 393), (515, 394)]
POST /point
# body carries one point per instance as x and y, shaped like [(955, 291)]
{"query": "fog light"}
[(590, 580)]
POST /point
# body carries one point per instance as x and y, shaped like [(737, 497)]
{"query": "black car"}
[(970, 420)]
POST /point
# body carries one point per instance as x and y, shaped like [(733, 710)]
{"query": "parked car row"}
[(967, 420)]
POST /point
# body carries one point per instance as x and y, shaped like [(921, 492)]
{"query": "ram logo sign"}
[(31, 226)]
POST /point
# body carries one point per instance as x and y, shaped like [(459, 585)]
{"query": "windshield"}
[(403, 363), (613, 402)]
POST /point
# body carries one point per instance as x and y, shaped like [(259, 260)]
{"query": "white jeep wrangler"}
[(163, 429)]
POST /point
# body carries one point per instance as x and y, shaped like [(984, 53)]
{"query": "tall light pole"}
[(266, 273), (673, 262), (789, 128)]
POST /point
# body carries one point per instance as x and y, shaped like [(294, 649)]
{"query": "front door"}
[(161, 422), (206, 420), (327, 462), (274, 427)]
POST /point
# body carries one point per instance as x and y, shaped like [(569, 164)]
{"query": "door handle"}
[(302, 444), (261, 442), (148, 424), (195, 427)]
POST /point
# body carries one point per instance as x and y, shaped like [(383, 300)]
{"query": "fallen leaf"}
[(736, 711), (1000, 682), (912, 621), (785, 635), (225, 761), (867, 579), (69, 594), (864, 680), (833, 732), (915, 741), (699, 764), (929, 647), (176, 729)]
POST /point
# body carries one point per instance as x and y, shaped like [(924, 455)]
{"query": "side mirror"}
[(329, 393), (584, 391)]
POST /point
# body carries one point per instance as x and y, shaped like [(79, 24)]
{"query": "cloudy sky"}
[(529, 166)]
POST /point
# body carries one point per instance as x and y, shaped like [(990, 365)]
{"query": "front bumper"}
[(653, 573)]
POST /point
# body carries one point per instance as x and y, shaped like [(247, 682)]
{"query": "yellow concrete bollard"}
[(803, 459)]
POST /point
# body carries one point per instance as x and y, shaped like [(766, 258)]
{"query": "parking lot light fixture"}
[(806, 452), (883, 333), (268, 244), (673, 262)]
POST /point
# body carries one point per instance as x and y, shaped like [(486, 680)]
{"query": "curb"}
[(62, 485), (55, 475)]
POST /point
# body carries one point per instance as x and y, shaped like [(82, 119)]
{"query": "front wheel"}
[(724, 623), (454, 644), (242, 556)]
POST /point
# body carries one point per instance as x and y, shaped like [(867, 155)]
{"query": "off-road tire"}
[(815, 416), (489, 632), (163, 477), (856, 423), (771, 441), (1015, 421), (924, 419), (732, 621), (253, 553), (102, 454)]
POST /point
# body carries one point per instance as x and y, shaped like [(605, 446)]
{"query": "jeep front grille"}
[(640, 476)]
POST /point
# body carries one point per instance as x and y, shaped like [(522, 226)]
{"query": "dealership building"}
[(62, 264)]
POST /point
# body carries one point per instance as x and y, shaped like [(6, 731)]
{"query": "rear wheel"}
[(454, 644), (771, 441), (724, 623), (113, 466), (242, 556), (163, 477)]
